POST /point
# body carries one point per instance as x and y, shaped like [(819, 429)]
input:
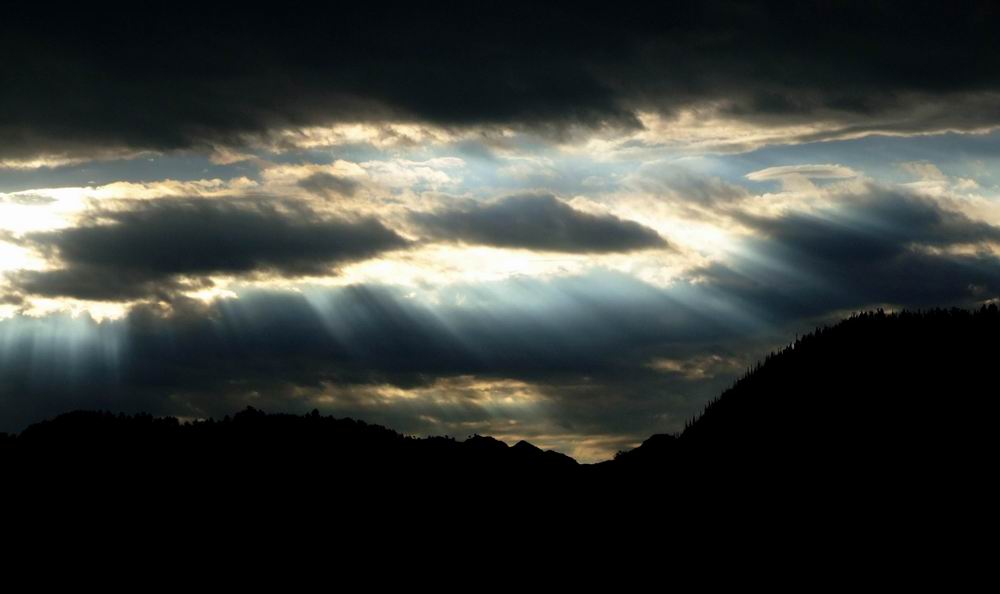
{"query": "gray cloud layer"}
[(538, 222), (176, 78)]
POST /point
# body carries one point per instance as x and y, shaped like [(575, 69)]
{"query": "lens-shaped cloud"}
[(537, 222), (147, 247)]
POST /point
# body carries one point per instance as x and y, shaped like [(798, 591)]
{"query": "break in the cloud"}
[(537, 222), (146, 247)]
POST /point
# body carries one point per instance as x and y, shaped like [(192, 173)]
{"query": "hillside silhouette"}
[(880, 397), (879, 391), (255, 445)]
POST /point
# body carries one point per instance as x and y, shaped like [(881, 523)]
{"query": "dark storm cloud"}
[(881, 247), (145, 248), (96, 283), (887, 220), (538, 222), (328, 185), (182, 76)]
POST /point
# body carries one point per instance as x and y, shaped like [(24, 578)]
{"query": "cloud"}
[(26, 199), (799, 178), (924, 171), (667, 180), (415, 175), (87, 81), (147, 247), (328, 185), (883, 216), (883, 246), (537, 222), (806, 171)]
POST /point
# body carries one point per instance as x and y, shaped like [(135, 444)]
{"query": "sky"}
[(572, 226)]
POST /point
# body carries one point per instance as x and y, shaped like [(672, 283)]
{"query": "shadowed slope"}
[(878, 397)]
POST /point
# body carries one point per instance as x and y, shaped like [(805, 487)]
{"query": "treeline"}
[(254, 443)]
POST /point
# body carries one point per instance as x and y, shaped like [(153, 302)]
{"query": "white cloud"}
[(825, 171), (799, 178), (403, 173), (923, 170)]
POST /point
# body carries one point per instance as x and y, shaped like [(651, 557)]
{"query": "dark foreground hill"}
[(874, 397), (256, 442), (908, 398)]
